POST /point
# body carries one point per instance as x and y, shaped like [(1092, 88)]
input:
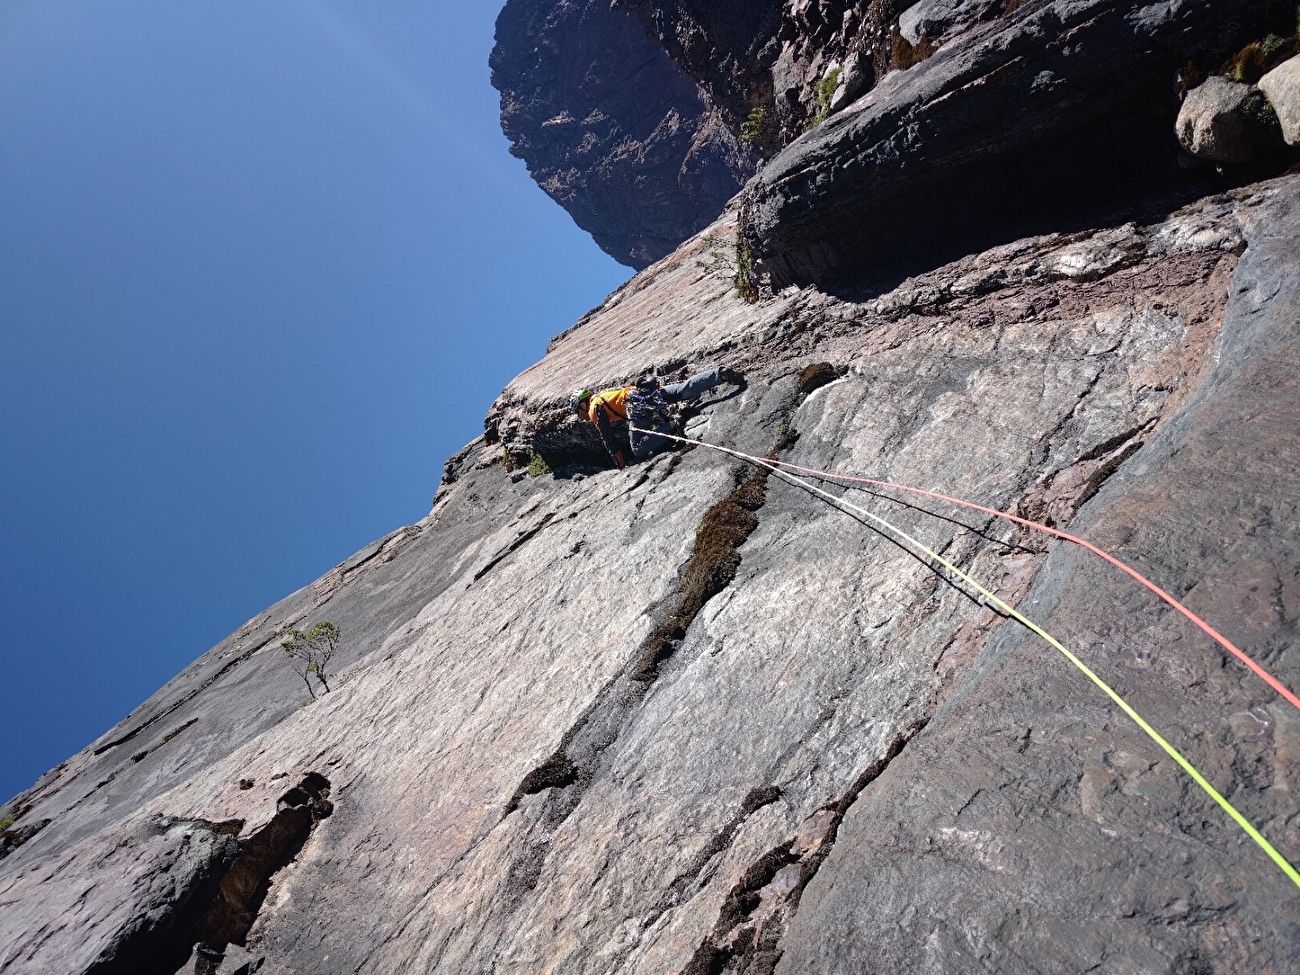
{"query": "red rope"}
[(1223, 641)]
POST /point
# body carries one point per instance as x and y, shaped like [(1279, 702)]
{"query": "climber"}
[(634, 414)]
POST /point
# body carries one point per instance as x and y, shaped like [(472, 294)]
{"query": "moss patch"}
[(711, 568), (228, 827), (907, 55), (557, 772), (816, 376), (745, 286)]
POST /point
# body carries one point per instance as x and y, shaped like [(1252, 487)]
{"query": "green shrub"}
[(537, 465), (310, 653), (7, 822), (825, 92), (754, 126)]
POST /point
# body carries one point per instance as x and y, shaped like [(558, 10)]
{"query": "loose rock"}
[(1211, 124), (1282, 88)]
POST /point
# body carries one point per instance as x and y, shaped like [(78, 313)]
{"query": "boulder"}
[(1281, 87), (238, 961), (1211, 124)]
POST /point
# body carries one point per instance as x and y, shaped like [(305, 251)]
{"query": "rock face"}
[(688, 718), (637, 116), (892, 132), (611, 127), (867, 110), (1044, 118), (727, 46), (934, 20), (123, 908)]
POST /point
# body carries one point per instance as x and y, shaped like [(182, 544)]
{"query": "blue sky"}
[(264, 265)]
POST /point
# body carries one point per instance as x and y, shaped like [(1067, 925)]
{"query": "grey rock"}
[(1211, 124), (933, 19), (932, 834), (204, 960), (644, 165), (119, 903), (11, 839), (232, 960), (969, 146), (237, 690), (726, 46), (1282, 88), (239, 961), (974, 145)]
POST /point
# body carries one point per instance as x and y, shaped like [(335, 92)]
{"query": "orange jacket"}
[(611, 402), (605, 409)]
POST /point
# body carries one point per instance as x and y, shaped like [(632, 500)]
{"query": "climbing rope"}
[(1223, 641), (919, 547)]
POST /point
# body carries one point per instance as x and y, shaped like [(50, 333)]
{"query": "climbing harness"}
[(986, 596)]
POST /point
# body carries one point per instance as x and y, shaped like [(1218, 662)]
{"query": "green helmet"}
[(576, 398)]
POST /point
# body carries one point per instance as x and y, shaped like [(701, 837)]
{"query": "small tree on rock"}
[(310, 653)]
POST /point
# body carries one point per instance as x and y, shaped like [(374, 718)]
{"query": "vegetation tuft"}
[(906, 55), (754, 126), (816, 376), (228, 827), (744, 269), (709, 570), (1262, 123), (825, 92), (537, 465), (7, 822), (1257, 58)]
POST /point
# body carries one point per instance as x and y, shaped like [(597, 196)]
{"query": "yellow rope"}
[(1110, 692)]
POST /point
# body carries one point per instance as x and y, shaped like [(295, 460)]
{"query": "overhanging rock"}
[(1034, 121)]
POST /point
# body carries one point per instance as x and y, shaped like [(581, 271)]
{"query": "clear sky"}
[(264, 265)]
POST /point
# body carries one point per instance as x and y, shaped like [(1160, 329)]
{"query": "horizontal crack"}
[(513, 546)]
